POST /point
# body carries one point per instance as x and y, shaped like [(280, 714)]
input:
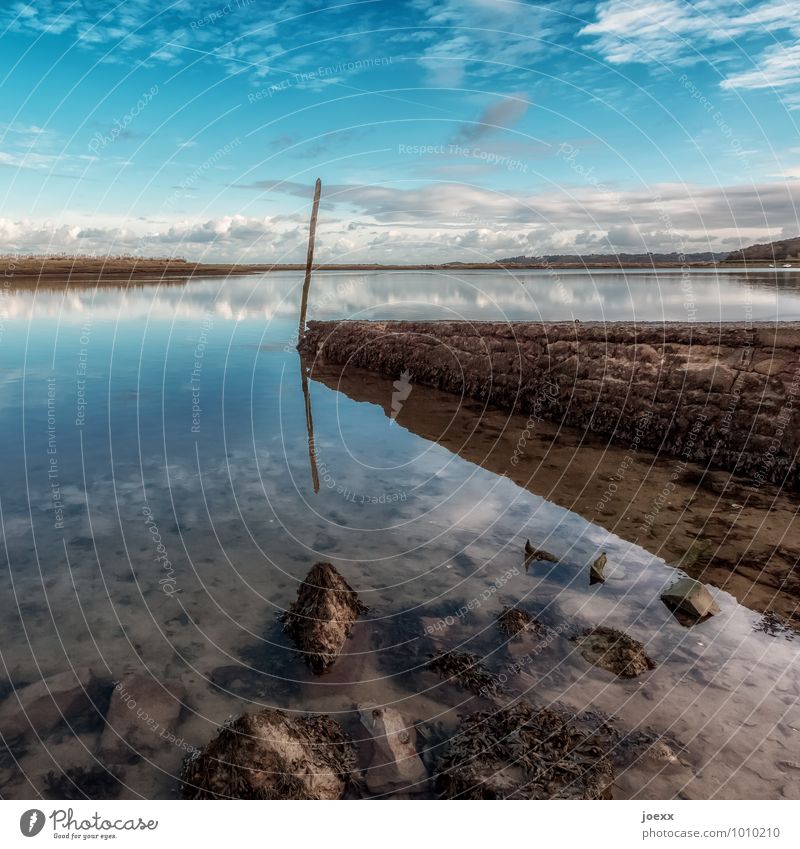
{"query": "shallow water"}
[(180, 408)]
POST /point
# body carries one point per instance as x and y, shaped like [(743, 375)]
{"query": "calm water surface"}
[(180, 407)]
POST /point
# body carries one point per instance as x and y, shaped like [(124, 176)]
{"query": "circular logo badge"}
[(31, 822)]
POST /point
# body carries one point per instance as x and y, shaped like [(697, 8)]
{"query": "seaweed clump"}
[(614, 651), (321, 619), (517, 752), (466, 670), (773, 625), (514, 620), (97, 782), (270, 755)]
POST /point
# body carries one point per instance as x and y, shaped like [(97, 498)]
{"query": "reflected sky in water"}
[(475, 295)]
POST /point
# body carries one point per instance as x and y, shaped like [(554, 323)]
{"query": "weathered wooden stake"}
[(309, 260), (312, 448)]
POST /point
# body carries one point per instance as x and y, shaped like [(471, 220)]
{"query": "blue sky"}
[(443, 130)]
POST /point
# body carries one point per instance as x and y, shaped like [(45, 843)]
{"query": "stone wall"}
[(723, 395)]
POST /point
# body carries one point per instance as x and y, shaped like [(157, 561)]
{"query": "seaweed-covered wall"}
[(724, 395)]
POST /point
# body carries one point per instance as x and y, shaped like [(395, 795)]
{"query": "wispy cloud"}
[(483, 37), (30, 131), (32, 147), (499, 116), (689, 207), (667, 30), (28, 159), (779, 67), (241, 37), (677, 32)]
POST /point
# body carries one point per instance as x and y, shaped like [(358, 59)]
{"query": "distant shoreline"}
[(63, 270)]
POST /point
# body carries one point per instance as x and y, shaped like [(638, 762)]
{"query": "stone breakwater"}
[(724, 395)]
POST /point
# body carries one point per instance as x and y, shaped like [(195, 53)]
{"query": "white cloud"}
[(677, 32), (243, 37), (230, 238), (30, 131), (482, 37), (778, 67), (642, 32), (666, 30), (444, 222), (28, 159)]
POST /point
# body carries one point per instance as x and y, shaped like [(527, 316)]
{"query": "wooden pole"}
[(312, 448), (312, 230)]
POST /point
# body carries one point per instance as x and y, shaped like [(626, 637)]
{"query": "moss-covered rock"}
[(321, 619), (614, 651), (271, 755)]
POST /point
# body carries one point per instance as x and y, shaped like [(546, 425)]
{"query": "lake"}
[(158, 511)]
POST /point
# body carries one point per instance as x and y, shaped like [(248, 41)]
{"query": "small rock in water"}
[(514, 620), (646, 744), (690, 598), (535, 554), (395, 764), (142, 716), (596, 572), (321, 619), (43, 705), (651, 765), (270, 755), (614, 651)]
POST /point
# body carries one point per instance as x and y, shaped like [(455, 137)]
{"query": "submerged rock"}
[(320, 620), (535, 554), (240, 680), (142, 715), (614, 651), (651, 764), (270, 755), (395, 764), (466, 670), (514, 620), (95, 782), (690, 598), (646, 744), (43, 705), (596, 575), (516, 752)]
